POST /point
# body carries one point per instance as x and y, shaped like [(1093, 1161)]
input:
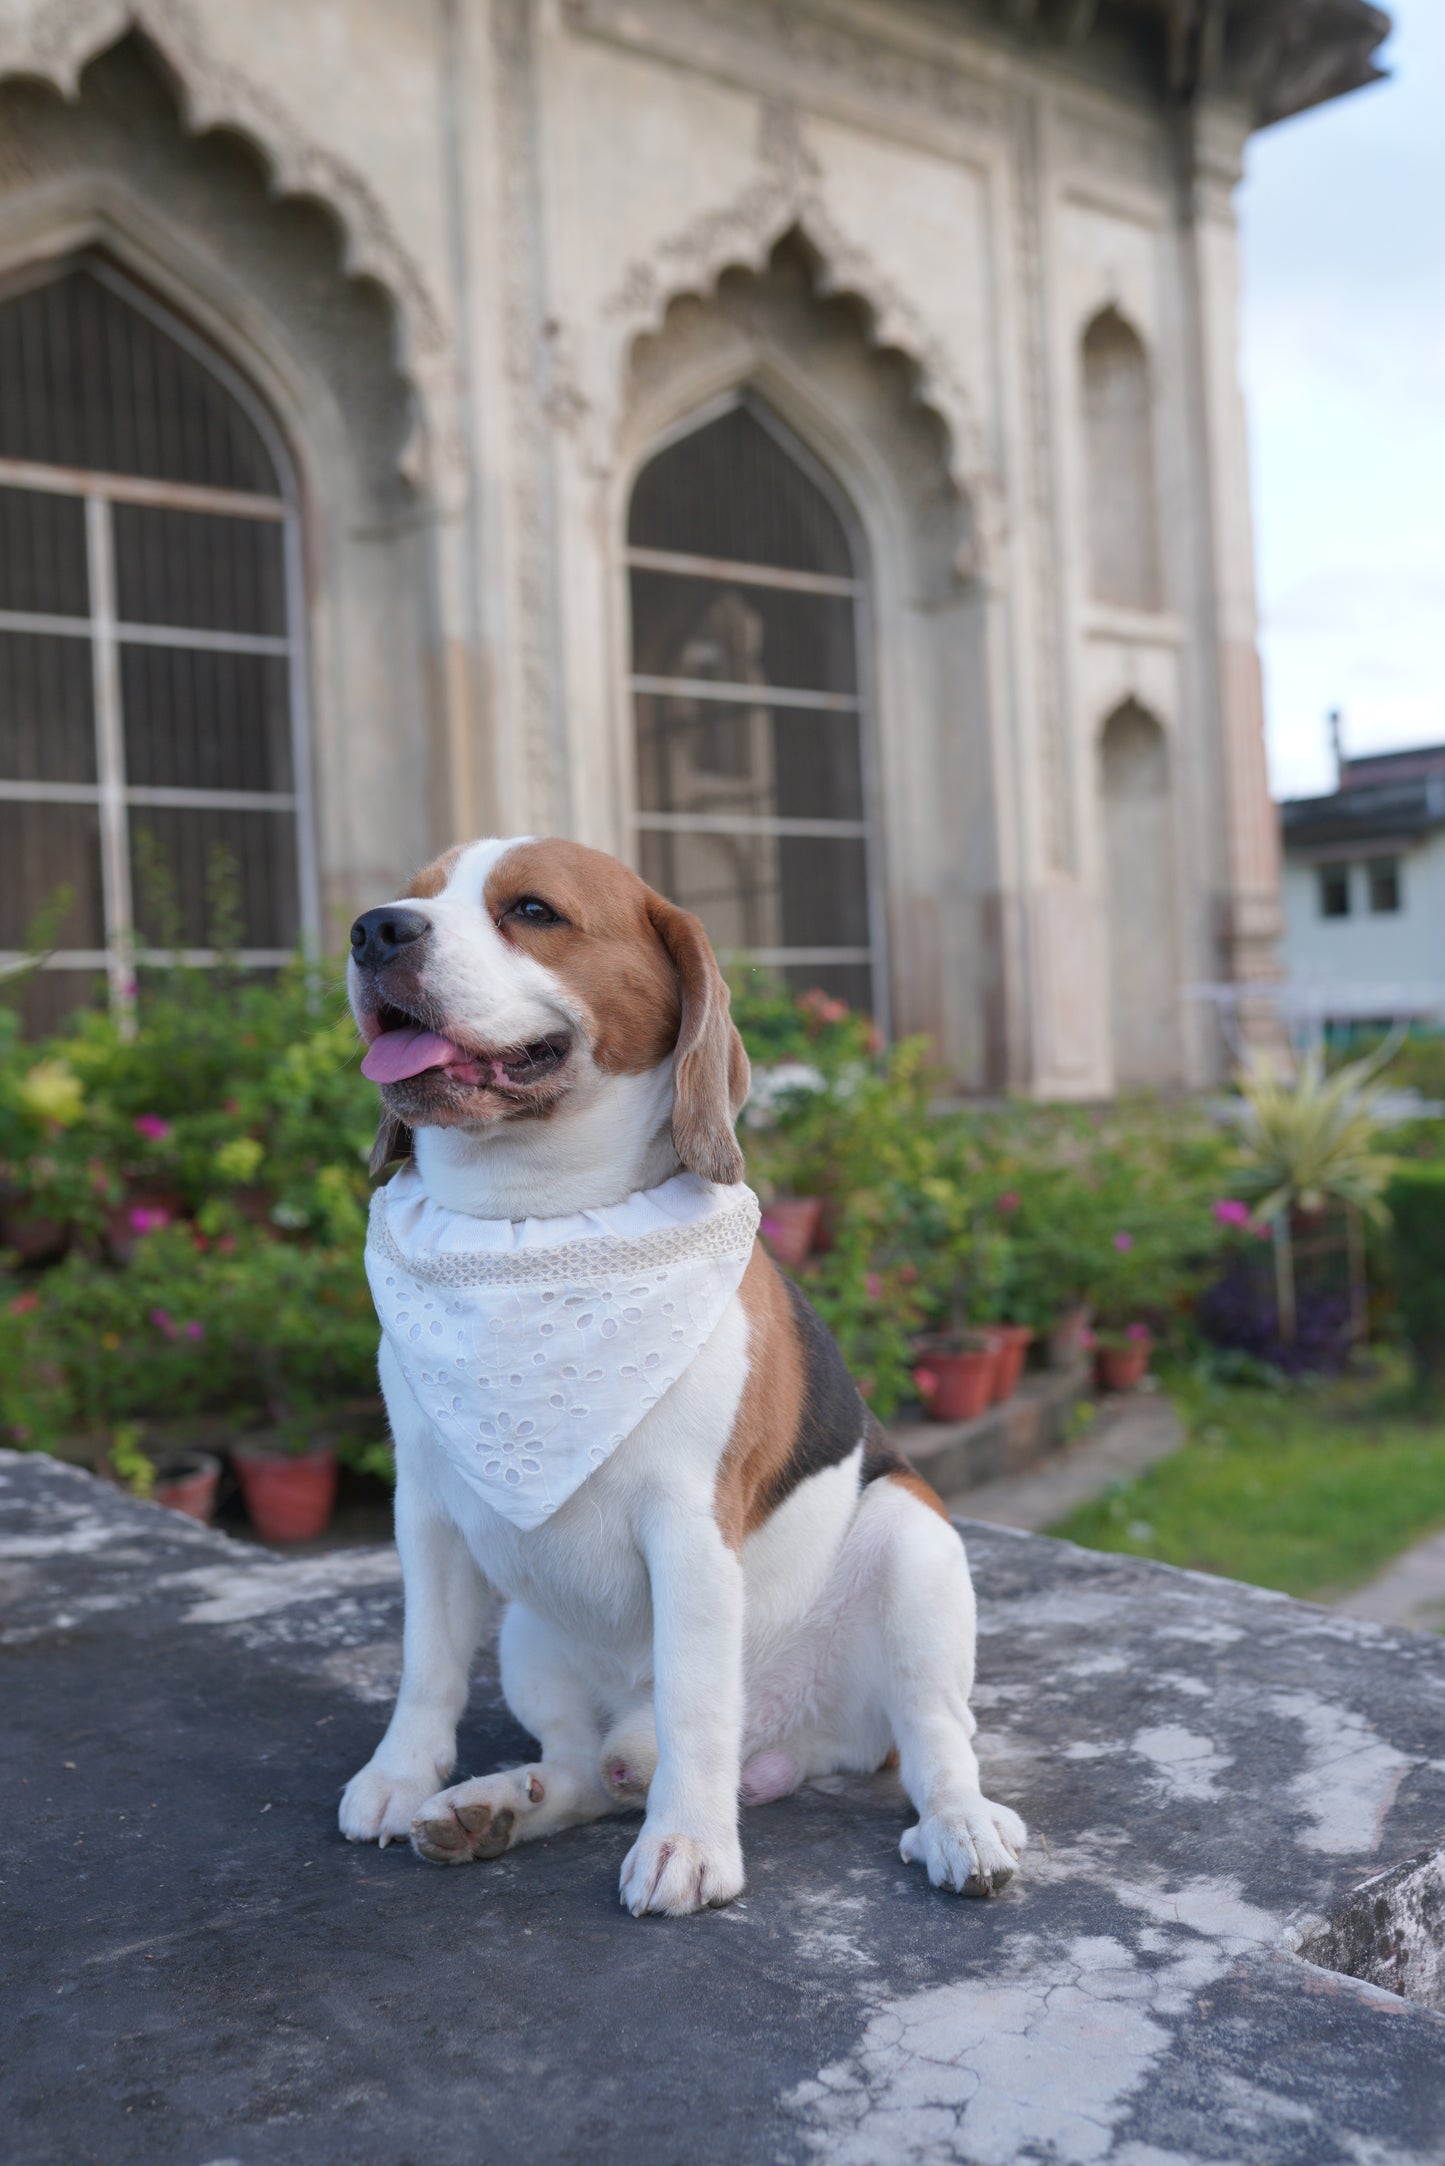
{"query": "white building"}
[(793, 443), (1364, 891)]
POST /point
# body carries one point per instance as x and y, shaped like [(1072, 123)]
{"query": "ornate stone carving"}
[(62, 36), (764, 39), (786, 194)]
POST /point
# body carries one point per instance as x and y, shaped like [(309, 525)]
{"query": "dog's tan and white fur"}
[(754, 1589)]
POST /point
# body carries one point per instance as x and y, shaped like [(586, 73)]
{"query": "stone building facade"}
[(795, 444)]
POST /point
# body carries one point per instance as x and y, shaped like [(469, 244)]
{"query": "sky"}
[(1342, 224)]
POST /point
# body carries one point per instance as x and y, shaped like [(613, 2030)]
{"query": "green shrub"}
[(1415, 1200)]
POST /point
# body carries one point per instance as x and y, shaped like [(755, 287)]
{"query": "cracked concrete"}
[(196, 1969)]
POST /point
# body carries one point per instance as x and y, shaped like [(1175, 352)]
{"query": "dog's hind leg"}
[(562, 1789), (927, 1622)]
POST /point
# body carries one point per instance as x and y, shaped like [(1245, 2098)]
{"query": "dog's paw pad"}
[(456, 1834)]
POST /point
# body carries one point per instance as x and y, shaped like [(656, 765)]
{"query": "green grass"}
[(1309, 1489)]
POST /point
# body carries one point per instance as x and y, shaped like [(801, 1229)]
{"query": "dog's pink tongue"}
[(400, 1053)]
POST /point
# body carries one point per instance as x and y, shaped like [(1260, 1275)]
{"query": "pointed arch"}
[(753, 754), (1136, 819), (1122, 507), (153, 682)]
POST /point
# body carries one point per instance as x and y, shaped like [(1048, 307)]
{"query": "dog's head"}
[(513, 975)]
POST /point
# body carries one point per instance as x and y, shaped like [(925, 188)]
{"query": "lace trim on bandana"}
[(580, 1262)]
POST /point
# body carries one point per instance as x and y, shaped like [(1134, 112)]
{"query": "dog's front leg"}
[(688, 1855), (446, 1600)]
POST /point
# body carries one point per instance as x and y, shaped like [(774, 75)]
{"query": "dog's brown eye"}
[(533, 911)]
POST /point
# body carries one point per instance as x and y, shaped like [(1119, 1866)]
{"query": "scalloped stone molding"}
[(57, 41), (786, 194)]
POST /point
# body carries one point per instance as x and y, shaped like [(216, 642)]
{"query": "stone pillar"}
[(1249, 913)]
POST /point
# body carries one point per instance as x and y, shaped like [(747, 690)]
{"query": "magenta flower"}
[(195, 1330), (164, 1321), (1123, 1241), (873, 1286), (1136, 1332), (769, 1227), (1009, 1202), (148, 1218), (1229, 1212), (152, 1126)]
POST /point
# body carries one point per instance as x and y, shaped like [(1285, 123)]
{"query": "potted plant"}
[(1309, 1141), (1121, 1358), (287, 1472)]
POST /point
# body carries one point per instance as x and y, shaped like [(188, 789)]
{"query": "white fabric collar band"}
[(535, 1346)]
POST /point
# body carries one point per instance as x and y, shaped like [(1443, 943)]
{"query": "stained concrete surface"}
[(1126, 1438), (194, 1968)]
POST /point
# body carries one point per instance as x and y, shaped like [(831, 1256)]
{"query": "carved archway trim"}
[(786, 197), (68, 35)]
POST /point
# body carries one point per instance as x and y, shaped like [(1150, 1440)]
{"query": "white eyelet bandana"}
[(535, 1346)]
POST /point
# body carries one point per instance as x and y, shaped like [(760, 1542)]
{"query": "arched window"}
[(1119, 460), (752, 791), (153, 782), (1138, 862)]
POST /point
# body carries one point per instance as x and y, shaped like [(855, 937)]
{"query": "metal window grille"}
[(152, 679), (755, 788)]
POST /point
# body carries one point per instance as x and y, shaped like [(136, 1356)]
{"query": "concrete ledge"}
[(196, 1969), (956, 1455)]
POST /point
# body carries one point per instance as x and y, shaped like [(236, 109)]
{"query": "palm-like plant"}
[(1308, 1140)]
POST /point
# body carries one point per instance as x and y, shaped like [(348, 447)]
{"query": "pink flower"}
[(148, 1218), (1087, 1339), (1009, 1202), (152, 1126), (873, 1286), (769, 1227), (1137, 1332), (164, 1321), (1229, 1212), (24, 1303), (1123, 1241), (227, 1244), (195, 1330)]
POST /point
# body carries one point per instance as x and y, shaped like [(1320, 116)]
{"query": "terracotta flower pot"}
[(790, 1227), (187, 1483), (957, 1387), (289, 1495), (1014, 1341), (1122, 1366)]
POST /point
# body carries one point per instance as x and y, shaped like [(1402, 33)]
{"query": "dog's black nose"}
[(378, 935)]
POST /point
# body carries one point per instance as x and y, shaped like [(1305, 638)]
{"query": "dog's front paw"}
[(973, 1848), (677, 1874), (478, 1819), (379, 1804)]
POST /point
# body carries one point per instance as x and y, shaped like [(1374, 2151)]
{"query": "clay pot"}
[(1013, 1341), (1122, 1366), (790, 1227), (187, 1483), (957, 1387), (1068, 1339), (289, 1495)]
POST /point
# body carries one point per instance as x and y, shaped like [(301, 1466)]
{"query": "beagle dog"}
[(741, 1585)]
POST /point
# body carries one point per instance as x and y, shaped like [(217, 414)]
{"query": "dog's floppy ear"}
[(393, 1140), (710, 1074)]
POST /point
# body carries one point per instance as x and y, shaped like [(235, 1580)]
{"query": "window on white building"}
[(753, 795), (1384, 875), (1334, 891), (151, 688)]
